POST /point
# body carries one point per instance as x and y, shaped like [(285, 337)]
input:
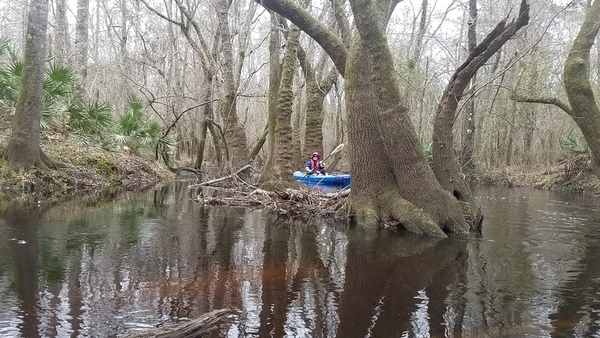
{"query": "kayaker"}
[(314, 165)]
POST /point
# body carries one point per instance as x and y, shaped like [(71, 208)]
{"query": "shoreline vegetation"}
[(84, 171), (92, 171)]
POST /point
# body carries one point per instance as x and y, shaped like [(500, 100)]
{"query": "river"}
[(105, 269)]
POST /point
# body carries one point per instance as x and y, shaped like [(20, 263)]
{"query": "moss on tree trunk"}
[(584, 109), (283, 155)]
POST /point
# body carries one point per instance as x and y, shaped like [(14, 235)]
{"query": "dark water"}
[(155, 258)]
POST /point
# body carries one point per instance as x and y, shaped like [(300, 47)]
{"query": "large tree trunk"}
[(391, 180), (445, 163), (273, 94), (23, 149), (283, 161), (234, 131), (467, 144), (584, 108)]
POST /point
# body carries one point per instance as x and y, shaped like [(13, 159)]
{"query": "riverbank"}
[(84, 170), (556, 178), (88, 170)]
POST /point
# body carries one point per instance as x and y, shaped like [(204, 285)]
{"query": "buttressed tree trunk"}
[(391, 180), (584, 108), (23, 149), (445, 163)]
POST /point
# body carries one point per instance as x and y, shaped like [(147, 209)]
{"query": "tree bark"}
[(61, 45), (273, 94), (584, 109), (81, 43), (389, 151), (445, 163), (234, 132), (418, 45), (468, 126), (283, 161), (23, 149), (316, 90), (391, 180)]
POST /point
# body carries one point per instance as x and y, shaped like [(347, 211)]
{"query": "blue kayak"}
[(333, 181)]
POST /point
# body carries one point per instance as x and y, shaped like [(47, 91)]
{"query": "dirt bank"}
[(85, 170)]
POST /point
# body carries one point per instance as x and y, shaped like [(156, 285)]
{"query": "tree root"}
[(389, 209)]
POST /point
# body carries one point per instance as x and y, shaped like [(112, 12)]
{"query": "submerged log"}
[(198, 327)]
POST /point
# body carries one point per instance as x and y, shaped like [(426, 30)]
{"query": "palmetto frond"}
[(164, 149), (136, 106), (129, 124), (574, 145), (15, 68), (10, 77), (90, 117), (58, 84), (4, 46), (59, 80), (120, 139)]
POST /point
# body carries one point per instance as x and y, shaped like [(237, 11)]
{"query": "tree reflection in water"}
[(157, 258)]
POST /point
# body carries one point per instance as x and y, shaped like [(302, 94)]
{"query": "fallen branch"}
[(303, 203), (198, 327), (232, 176)]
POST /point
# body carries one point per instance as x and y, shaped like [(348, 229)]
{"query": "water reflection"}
[(158, 257)]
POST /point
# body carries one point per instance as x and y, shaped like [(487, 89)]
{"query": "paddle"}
[(333, 152)]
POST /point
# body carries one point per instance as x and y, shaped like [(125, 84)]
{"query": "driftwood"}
[(198, 327), (232, 176), (290, 202)]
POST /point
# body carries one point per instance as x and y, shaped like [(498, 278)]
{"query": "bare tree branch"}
[(543, 100)]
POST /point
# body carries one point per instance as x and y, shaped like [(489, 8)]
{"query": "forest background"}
[(187, 83)]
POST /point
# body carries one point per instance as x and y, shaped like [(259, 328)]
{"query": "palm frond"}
[(574, 145), (120, 139), (165, 148), (4, 46), (136, 105), (90, 117), (154, 130), (129, 124), (59, 80), (15, 68)]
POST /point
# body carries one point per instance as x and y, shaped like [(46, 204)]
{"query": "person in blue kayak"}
[(314, 165)]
